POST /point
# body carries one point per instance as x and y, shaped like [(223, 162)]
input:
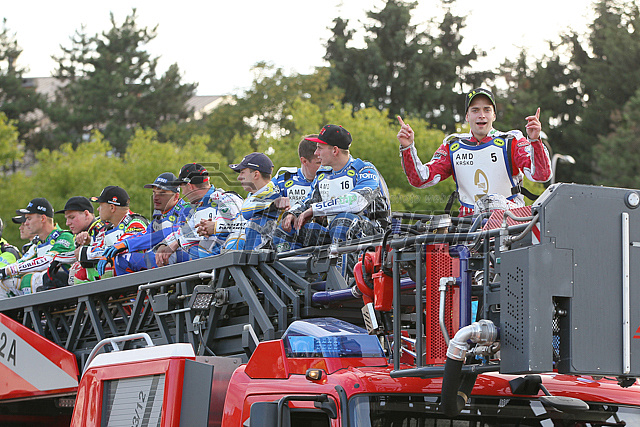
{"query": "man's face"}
[(310, 167), (189, 191), (247, 178), (106, 212), (480, 116), (34, 223), (78, 221), (25, 233), (163, 200), (325, 154)]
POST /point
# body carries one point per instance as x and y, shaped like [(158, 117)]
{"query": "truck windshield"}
[(422, 411)]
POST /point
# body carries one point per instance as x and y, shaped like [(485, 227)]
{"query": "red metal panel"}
[(88, 409), (440, 264), (268, 361), (497, 217), (31, 365)]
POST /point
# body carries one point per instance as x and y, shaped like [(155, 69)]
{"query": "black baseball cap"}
[(39, 205), (77, 203), (164, 181), (478, 91), (19, 219), (256, 161), (113, 195), (333, 135), (193, 173)]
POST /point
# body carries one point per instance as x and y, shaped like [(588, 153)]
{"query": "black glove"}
[(54, 266)]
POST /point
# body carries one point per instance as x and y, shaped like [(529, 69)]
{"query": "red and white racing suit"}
[(530, 159)]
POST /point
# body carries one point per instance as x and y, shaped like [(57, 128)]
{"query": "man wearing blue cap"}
[(135, 253), (259, 210)]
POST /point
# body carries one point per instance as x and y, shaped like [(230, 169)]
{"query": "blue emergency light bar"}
[(329, 337)]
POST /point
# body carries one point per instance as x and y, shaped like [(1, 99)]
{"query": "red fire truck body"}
[(513, 319), (354, 385)]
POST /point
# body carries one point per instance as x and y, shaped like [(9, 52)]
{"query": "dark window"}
[(422, 411), (305, 418)]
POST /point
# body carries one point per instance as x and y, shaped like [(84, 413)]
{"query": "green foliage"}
[(581, 98), (111, 85), (403, 70), (86, 169), (263, 112), (10, 149), (608, 77), (618, 154)]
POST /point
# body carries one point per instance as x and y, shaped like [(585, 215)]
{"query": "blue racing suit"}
[(292, 184), (260, 219), (140, 255), (222, 207), (354, 200)]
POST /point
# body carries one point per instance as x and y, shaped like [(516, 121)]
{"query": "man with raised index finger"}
[(484, 162)]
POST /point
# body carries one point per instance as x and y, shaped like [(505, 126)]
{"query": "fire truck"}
[(508, 318)]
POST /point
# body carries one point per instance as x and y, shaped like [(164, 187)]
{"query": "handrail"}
[(201, 275), (114, 343)]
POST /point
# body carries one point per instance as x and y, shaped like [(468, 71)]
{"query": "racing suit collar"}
[(487, 138), (259, 190), (54, 233), (345, 166), (204, 198)]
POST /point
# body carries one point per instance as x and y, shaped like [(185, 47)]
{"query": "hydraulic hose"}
[(328, 297), (456, 388)]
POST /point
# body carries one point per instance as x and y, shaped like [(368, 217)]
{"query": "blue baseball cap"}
[(256, 161), (164, 181)]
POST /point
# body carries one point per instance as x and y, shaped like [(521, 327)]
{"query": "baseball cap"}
[(193, 173), (256, 161), (39, 205), (77, 203), (113, 195), (333, 135), (19, 219), (163, 182), (478, 91)]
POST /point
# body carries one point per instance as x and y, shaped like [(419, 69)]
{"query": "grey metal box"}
[(588, 262)]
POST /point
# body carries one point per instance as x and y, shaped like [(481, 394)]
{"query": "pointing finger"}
[(400, 120), (538, 113)]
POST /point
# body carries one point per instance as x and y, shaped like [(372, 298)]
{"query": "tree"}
[(615, 169), (84, 170), (10, 148), (581, 86), (111, 85), (374, 140), (404, 70), (603, 78), (17, 102), (262, 112)]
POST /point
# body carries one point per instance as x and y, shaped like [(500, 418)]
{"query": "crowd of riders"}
[(330, 197)]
